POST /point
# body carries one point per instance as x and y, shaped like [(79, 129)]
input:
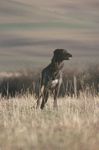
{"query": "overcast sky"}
[(31, 30)]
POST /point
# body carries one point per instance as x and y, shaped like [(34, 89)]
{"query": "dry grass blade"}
[(74, 125)]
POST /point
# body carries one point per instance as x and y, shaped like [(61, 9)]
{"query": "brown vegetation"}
[(73, 126), (28, 81)]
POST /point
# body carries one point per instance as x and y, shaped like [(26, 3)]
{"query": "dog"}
[(51, 77)]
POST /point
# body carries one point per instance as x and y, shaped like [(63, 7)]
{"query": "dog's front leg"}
[(56, 93)]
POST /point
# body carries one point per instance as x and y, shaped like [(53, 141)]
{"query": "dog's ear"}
[(57, 52), (57, 55)]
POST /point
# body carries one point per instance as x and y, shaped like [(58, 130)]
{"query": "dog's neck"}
[(57, 65)]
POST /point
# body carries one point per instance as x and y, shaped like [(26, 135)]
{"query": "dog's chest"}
[(51, 77), (54, 83), (54, 78)]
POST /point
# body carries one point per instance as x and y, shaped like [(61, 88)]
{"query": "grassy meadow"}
[(74, 126), (29, 32)]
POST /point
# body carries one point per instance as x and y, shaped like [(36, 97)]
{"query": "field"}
[(74, 126), (29, 32)]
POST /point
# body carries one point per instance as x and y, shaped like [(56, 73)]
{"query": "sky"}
[(31, 30)]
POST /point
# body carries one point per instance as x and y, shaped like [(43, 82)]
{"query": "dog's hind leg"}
[(41, 95), (45, 98), (38, 101)]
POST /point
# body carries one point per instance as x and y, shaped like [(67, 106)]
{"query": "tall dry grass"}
[(74, 126)]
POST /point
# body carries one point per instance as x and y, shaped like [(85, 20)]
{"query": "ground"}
[(74, 126)]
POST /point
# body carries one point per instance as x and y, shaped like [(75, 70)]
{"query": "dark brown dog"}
[(51, 77)]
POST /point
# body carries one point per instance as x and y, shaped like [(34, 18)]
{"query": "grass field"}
[(74, 126), (29, 33)]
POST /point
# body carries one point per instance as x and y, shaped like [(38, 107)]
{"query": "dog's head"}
[(61, 54)]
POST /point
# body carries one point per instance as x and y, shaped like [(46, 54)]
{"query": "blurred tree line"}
[(74, 83)]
